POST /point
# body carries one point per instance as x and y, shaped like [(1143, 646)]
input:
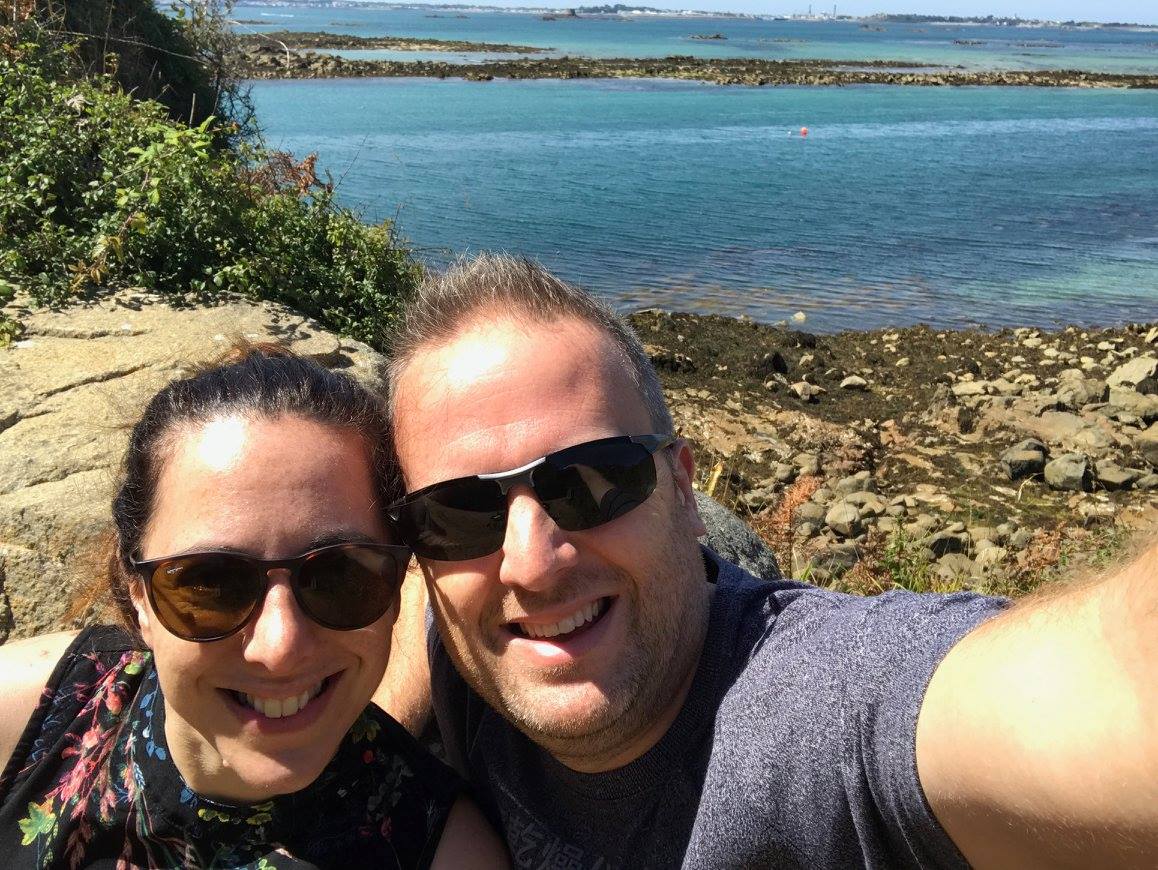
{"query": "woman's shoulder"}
[(27, 666), (54, 674)]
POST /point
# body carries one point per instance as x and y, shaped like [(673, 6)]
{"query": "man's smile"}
[(564, 628)]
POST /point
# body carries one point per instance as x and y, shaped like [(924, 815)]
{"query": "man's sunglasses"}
[(212, 595), (580, 488)]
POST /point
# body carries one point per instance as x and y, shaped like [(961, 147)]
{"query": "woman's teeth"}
[(279, 708), (566, 625)]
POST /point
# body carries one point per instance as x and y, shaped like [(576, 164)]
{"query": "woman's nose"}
[(280, 634)]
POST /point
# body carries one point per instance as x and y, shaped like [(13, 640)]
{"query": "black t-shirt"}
[(796, 746), (91, 784)]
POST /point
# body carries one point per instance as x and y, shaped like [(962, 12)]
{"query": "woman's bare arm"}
[(25, 666), (468, 840)]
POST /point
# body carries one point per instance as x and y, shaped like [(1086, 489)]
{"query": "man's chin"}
[(562, 713)]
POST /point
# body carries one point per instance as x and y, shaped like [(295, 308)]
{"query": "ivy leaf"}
[(40, 821)]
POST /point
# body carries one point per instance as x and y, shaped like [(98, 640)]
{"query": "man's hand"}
[(1037, 743), (404, 692)]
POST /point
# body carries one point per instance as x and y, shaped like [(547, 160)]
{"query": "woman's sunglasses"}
[(580, 488), (210, 596)]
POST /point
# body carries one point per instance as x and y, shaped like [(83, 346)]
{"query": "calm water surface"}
[(952, 206)]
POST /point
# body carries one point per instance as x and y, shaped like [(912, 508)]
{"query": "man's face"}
[(585, 640)]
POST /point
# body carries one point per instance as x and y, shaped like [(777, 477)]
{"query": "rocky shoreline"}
[(295, 40), (261, 60), (942, 459), (922, 458)]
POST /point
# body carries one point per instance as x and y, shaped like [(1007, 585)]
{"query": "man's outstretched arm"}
[(404, 692), (1037, 742)]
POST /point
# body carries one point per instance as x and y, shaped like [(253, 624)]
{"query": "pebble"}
[(1020, 539), (946, 542), (1019, 463), (954, 565), (808, 464), (807, 392), (1070, 471), (862, 481), (989, 556), (844, 519), (1113, 477)]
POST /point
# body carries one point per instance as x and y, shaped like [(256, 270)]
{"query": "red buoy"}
[(803, 131)]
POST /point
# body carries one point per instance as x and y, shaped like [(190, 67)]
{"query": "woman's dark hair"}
[(256, 380)]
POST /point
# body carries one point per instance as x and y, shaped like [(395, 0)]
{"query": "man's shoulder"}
[(785, 635), (786, 605)]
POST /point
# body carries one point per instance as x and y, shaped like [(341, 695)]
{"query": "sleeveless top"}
[(91, 783)]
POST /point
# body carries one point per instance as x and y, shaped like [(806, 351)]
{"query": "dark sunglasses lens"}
[(593, 484), (349, 587), (205, 596), (463, 520)]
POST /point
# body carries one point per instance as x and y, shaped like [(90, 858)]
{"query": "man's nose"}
[(535, 550), (280, 634)]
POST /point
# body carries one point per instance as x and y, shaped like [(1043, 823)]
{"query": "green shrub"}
[(99, 191), (9, 328)]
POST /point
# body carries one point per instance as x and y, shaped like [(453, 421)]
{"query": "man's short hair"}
[(490, 286)]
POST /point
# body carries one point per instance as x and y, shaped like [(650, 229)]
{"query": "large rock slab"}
[(69, 390), (1134, 373), (735, 540)]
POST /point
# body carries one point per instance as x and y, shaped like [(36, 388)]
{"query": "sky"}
[(1134, 11)]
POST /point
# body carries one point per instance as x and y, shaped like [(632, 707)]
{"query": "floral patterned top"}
[(91, 783)]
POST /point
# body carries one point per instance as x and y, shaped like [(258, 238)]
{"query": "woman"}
[(228, 721)]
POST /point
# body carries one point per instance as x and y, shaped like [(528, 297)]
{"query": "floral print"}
[(92, 780)]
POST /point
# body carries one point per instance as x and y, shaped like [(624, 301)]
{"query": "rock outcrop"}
[(68, 391)]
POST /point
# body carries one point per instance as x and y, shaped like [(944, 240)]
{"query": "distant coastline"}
[(607, 10), (262, 59), (299, 39)]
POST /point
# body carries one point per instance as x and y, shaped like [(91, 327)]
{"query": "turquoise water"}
[(1105, 50), (952, 206)]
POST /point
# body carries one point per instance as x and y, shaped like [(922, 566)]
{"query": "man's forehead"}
[(502, 390), (492, 353)]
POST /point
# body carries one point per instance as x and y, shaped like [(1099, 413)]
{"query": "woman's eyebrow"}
[(341, 536)]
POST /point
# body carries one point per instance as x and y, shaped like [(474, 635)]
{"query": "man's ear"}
[(683, 473)]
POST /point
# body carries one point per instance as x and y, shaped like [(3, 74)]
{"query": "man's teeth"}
[(279, 708), (566, 625)]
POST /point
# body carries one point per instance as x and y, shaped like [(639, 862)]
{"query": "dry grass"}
[(774, 526)]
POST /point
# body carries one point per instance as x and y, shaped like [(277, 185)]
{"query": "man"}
[(620, 697)]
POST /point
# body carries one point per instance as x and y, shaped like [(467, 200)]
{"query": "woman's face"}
[(269, 489)]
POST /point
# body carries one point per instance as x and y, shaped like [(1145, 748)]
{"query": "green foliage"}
[(99, 191), (184, 60), (9, 330), (907, 565)]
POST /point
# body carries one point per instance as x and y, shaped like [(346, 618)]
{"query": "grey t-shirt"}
[(795, 747)]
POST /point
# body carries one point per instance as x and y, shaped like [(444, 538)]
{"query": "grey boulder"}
[(735, 541)]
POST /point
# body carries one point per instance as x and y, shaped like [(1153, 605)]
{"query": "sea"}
[(953, 206)]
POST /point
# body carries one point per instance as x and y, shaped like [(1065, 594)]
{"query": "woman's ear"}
[(144, 613)]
